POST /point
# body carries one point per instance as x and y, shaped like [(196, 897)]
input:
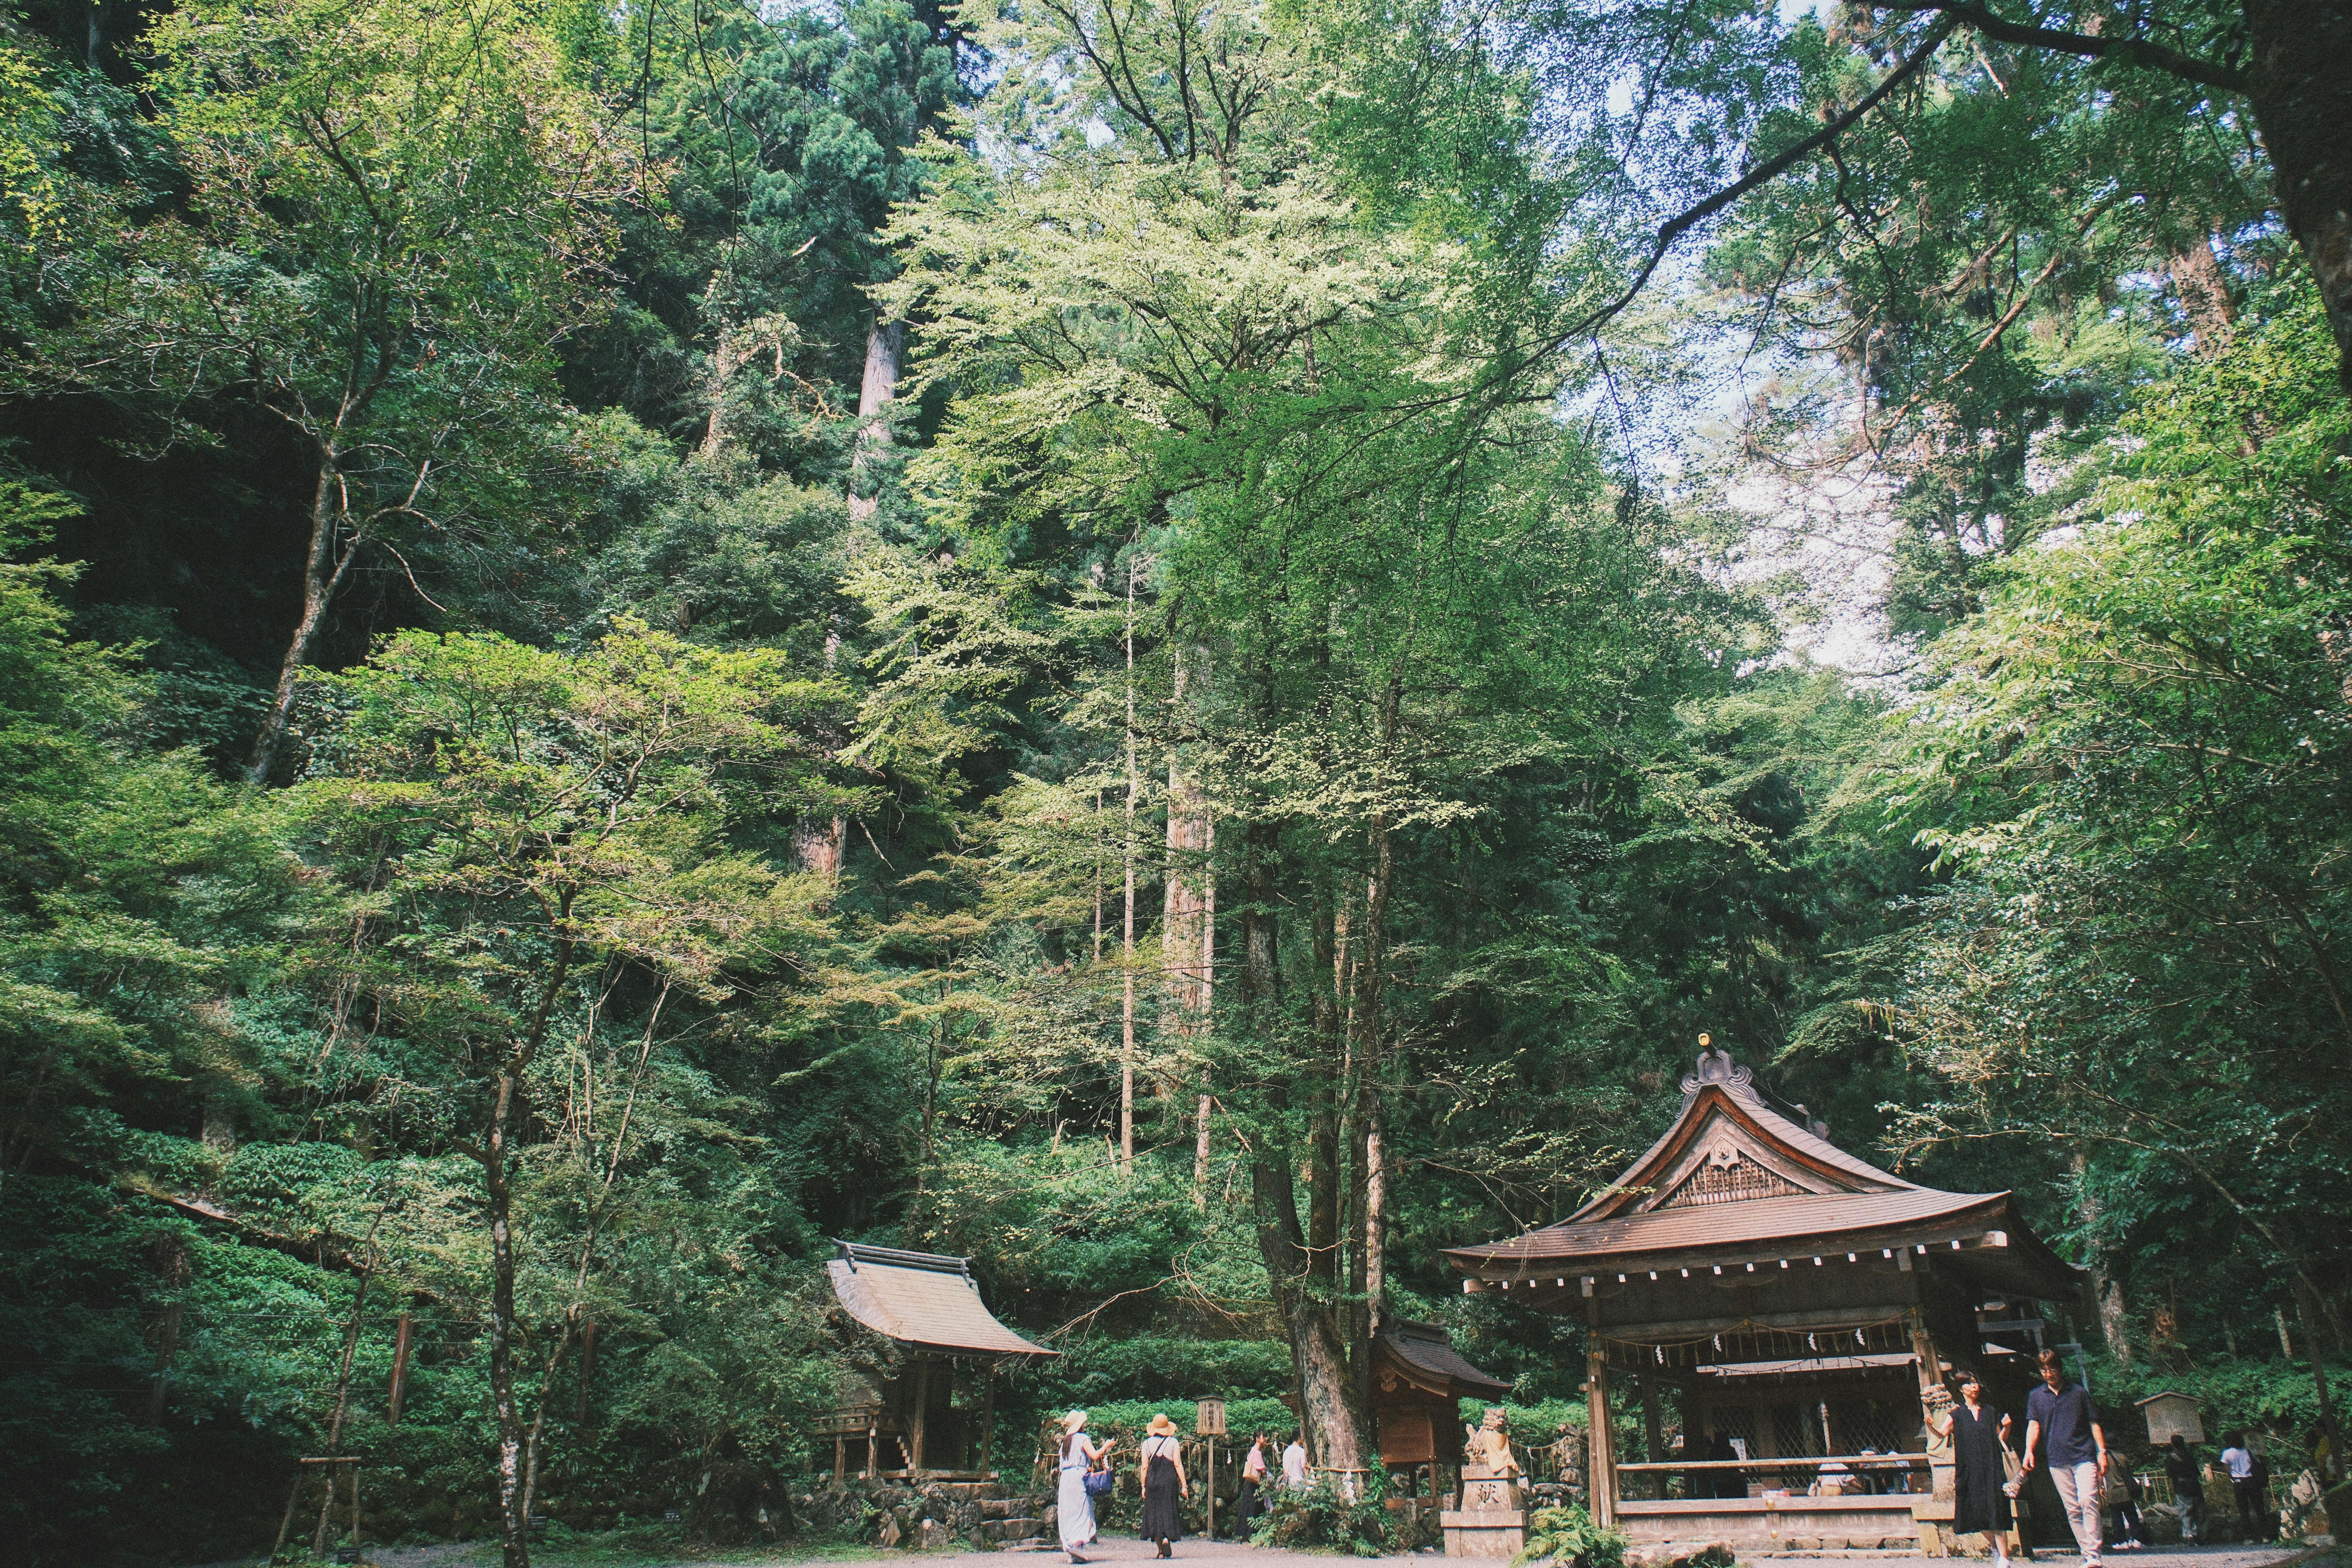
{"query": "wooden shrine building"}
[(1791, 1301), (928, 1419), (1419, 1382)]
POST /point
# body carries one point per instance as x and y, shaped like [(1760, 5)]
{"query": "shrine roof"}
[(1430, 1360), (925, 1300), (1813, 1217), (1737, 1181)]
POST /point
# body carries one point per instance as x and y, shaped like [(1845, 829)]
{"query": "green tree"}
[(389, 226), (512, 827)]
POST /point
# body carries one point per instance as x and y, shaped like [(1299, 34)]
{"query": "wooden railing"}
[(1882, 1473)]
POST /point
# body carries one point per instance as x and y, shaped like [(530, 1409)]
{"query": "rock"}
[(1803, 1543), (890, 1535), (932, 1536)]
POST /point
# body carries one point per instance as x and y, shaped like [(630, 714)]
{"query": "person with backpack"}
[(1074, 1502), (1245, 1506), (2180, 1468)]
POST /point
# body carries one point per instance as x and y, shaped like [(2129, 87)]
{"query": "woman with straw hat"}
[(1163, 1483), (1074, 1508)]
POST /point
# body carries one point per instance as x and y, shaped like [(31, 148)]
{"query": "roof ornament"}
[(1716, 1066)]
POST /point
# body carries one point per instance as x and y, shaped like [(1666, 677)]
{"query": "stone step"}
[(1013, 1528), (1001, 1507)]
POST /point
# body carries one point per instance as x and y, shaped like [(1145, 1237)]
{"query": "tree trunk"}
[(2302, 96), (322, 573), (342, 1403), (2204, 290), (1127, 945), (171, 1254), (2306, 1299), (513, 1526), (1187, 928), (504, 1090), (1329, 1414), (886, 345), (2106, 1291)]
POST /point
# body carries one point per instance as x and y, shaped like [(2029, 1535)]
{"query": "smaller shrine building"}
[(932, 1418), (1772, 1296)]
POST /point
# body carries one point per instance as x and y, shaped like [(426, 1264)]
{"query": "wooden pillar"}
[(1601, 1484), (1941, 1475), (1653, 1437), (873, 1449), (840, 1455), (987, 1418), (921, 1412), (400, 1368)]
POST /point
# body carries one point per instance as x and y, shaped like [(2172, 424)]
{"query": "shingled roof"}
[(1424, 1354), (1734, 1181), (924, 1299)]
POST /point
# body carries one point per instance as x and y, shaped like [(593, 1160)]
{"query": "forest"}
[(1180, 646)]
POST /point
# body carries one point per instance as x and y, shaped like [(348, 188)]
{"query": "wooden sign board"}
[(1208, 1418), (2170, 1414)]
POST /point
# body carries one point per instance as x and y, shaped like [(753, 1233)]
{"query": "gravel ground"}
[(1202, 1554)]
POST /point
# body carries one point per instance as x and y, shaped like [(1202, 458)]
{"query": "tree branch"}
[(2137, 52), (1675, 227)]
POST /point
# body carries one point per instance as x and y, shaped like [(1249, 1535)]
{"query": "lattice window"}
[(1884, 1426), (1713, 1183), (1797, 1431)]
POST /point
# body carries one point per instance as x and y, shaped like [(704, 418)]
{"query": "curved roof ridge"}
[(1735, 1084)]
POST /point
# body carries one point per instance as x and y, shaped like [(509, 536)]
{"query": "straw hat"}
[(1074, 1420), (1161, 1426)]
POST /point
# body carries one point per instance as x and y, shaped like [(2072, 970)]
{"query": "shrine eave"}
[(928, 1301), (1981, 1234)]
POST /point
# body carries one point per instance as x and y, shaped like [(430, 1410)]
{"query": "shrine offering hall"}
[(1788, 1307)]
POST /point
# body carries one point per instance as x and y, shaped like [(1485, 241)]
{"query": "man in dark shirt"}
[(2061, 1429), (2188, 1488)]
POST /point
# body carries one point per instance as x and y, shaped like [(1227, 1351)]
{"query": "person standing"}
[(2240, 1463), (1294, 1464), (2259, 1483), (2062, 1431), (1728, 1483), (1163, 1483), (1979, 1437), (1074, 1508), (1253, 1478), (2180, 1468)]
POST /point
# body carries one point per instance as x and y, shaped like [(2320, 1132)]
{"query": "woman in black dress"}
[(1163, 1483), (1979, 1440)]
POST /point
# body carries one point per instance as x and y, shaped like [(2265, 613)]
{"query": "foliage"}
[(1568, 1536), (1319, 1516)]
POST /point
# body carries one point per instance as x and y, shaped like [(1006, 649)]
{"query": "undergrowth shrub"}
[(1567, 1537), (1319, 1516)]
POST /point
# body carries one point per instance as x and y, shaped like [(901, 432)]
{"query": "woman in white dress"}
[(1074, 1510)]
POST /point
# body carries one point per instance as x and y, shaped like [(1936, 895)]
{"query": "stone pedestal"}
[(1492, 1521)]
